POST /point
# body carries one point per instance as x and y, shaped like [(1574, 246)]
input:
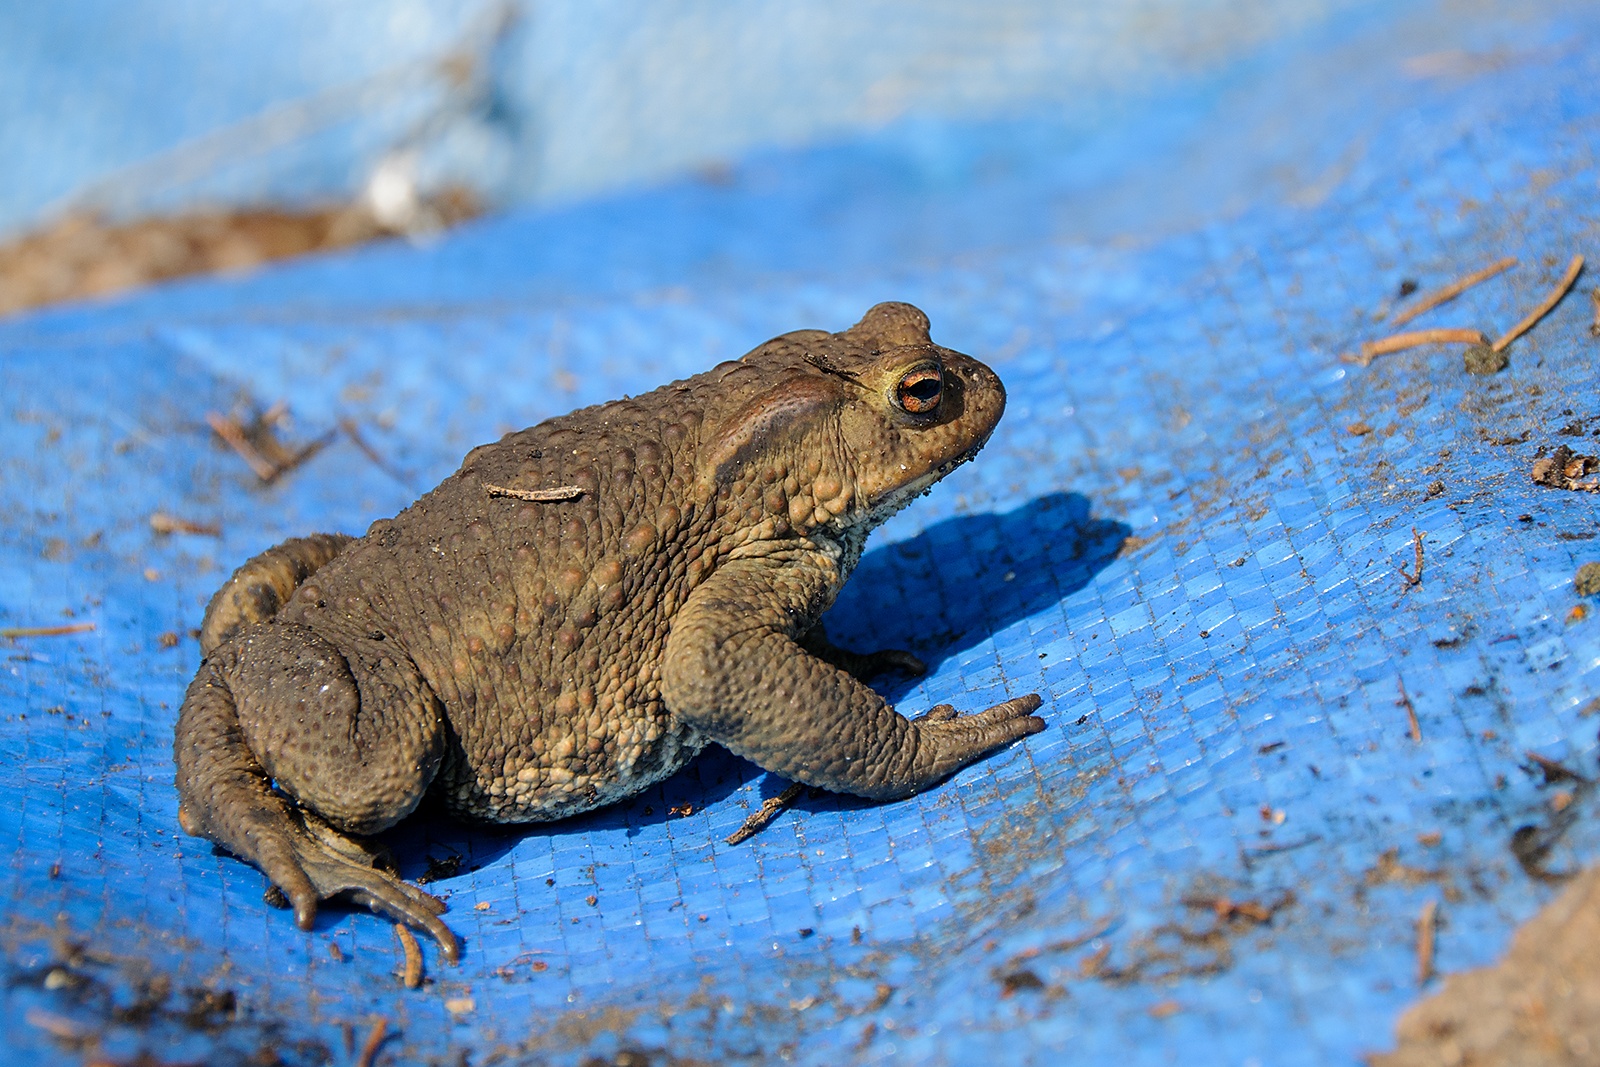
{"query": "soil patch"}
[(1538, 1007)]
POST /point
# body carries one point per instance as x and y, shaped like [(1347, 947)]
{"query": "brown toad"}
[(529, 659)]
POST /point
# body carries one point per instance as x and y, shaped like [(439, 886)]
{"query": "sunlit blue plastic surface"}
[(1188, 534)]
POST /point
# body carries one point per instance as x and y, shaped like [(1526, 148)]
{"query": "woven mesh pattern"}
[(1188, 534)]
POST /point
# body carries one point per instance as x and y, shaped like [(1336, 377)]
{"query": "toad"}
[(581, 608)]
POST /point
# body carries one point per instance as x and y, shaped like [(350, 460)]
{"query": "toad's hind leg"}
[(256, 591), (349, 735)]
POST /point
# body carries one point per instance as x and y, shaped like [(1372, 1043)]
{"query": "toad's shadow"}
[(937, 594)]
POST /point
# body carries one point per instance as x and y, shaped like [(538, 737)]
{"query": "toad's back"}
[(540, 624)]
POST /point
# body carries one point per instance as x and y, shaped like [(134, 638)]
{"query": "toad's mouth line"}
[(896, 500)]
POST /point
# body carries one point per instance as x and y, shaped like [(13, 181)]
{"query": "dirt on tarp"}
[(1538, 1007), (82, 255)]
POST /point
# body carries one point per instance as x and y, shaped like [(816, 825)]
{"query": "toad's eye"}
[(919, 391)]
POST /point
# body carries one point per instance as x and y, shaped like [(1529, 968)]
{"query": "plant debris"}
[(46, 631), (1553, 771), (369, 1048), (162, 523), (762, 817), (1546, 306), (1400, 342), (557, 495), (1565, 469), (1413, 725), (1389, 869), (1427, 931), (411, 977), (353, 431), (1020, 981), (258, 445), (1414, 577), (1453, 290), (1174, 950), (1228, 909)]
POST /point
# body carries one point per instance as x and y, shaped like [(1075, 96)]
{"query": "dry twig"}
[(1227, 909), (412, 976), (369, 1049), (1544, 308), (1412, 722), (1427, 933), (1413, 578), (260, 448), (231, 432), (46, 631), (162, 523), (353, 431), (1453, 290), (1554, 770), (1594, 327), (1399, 342), (762, 817), (539, 496)]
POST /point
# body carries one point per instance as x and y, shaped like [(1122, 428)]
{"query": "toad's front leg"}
[(735, 670)]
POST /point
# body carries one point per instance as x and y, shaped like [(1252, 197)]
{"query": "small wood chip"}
[(412, 976), (1427, 933), (539, 496), (762, 817), (1594, 327), (1163, 1009), (162, 523), (46, 631), (1399, 342), (369, 1049), (1545, 307), (1412, 723), (1453, 290)]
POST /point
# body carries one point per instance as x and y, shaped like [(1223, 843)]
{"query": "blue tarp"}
[(1192, 533)]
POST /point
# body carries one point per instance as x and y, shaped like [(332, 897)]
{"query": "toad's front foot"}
[(948, 741)]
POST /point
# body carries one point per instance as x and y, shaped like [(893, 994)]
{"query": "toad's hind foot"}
[(313, 863), (227, 796)]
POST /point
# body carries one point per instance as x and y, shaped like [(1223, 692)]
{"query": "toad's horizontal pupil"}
[(924, 389)]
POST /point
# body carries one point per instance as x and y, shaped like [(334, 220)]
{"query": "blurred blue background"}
[(139, 106)]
